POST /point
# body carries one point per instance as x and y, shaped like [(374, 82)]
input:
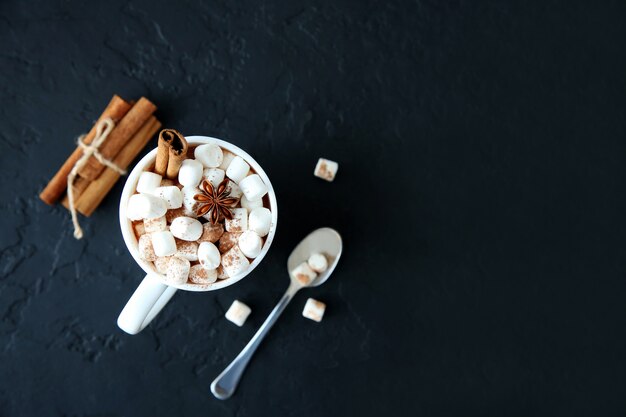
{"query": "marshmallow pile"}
[(187, 248)]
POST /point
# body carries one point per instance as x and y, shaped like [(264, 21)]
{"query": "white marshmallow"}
[(210, 155), (157, 224), (238, 169), (251, 204), (221, 274), (304, 274), (146, 251), (186, 228), (228, 158), (250, 244), (228, 240), (139, 228), (200, 275), (163, 243), (211, 232), (147, 182), (253, 187), (208, 255), (238, 313), (172, 196), (187, 250), (160, 264), (213, 175), (190, 173), (260, 220), (239, 222), (171, 214), (177, 270), (326, 169), (318, 262), (314, 310), (191, 206), (233, 190), (145, 206), (234, 261)]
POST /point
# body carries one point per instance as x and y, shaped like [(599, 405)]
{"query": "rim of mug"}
[(130, 239)]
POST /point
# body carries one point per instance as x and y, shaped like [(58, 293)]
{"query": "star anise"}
[(216, 201)]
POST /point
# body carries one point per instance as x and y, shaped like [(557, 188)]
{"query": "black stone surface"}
[(482, 151)]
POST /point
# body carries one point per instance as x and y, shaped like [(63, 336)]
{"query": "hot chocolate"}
[(207, 222)]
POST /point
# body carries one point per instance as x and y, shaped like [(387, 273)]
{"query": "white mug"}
[(152, 294)]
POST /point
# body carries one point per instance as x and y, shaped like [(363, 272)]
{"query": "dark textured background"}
[(482, 151)]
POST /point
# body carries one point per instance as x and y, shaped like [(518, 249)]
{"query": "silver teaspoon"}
[(324, 240)]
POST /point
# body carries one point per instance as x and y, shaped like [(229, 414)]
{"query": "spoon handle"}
[(225, 384)]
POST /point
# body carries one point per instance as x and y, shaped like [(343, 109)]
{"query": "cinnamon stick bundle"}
[(126, 128), (134, 126), (116, 110), (97, 189)]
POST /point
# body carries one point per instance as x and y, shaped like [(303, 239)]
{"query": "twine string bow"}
[(103, 129)]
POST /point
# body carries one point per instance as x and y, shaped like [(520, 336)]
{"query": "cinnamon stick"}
[(97, 189), (163, 153), (116, 109), (177, 151), (125, 129)]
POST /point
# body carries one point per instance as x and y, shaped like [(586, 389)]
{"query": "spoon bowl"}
[(325, 241)]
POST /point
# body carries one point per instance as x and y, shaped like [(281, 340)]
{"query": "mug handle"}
[(146, 302)]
